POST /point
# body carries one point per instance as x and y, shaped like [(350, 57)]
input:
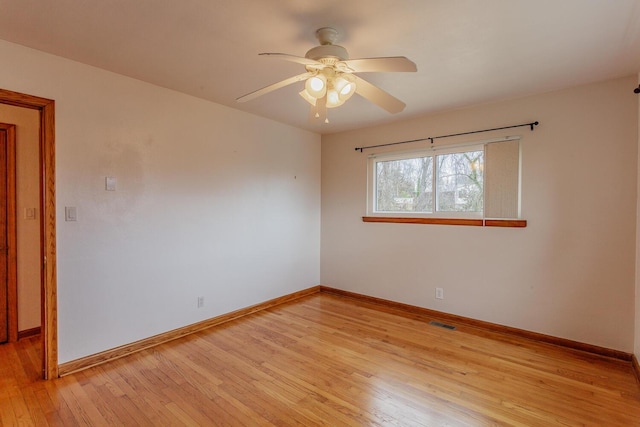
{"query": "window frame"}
[(466, 218)]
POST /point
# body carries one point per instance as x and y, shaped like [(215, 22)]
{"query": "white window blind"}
[(502, 179)]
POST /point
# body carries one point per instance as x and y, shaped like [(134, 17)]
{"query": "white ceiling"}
[(467, 51)]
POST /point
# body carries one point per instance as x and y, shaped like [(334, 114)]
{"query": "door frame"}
[(12, 274), (49, 287)]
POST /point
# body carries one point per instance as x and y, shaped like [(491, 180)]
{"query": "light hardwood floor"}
[(328, 360)]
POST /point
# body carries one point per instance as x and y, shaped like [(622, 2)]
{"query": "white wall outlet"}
[(439, 293), (200, 302)]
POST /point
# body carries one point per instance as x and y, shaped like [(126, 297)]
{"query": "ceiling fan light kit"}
[(330, 78)]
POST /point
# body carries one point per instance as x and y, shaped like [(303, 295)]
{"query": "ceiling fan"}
[(330, 77)]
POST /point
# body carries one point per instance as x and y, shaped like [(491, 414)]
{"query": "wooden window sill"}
[(513, 223)]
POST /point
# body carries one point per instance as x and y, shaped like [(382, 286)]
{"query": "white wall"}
[(570, 273), (27, 123), (210, 202)]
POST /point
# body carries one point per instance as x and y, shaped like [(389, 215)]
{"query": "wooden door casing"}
[(49, 331)]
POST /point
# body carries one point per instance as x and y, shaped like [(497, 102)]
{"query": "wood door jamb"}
[(12, 259)]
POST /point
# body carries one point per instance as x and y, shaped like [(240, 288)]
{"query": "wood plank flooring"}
[(327, 360)]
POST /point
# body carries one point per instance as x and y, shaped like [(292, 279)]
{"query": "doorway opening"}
[(49, 323)]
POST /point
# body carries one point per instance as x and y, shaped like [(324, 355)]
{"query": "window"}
[(473, 181)]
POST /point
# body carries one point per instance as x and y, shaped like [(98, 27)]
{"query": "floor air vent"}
[(442, 325)]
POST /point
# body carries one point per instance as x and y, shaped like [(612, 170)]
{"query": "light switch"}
[(110, 183), (70, 213), (29, 213)]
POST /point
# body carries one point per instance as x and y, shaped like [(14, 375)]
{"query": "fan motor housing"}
[(327, 51)]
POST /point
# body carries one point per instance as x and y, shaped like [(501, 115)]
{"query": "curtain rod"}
[(431, 138)]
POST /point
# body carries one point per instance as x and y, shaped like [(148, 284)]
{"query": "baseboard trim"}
[(636, 367), (29, 332), (493, 327), (127, 349)]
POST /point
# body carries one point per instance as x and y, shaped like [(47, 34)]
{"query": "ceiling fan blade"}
[(274, 86), (311, 63), (386, 64), (378, 96)]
